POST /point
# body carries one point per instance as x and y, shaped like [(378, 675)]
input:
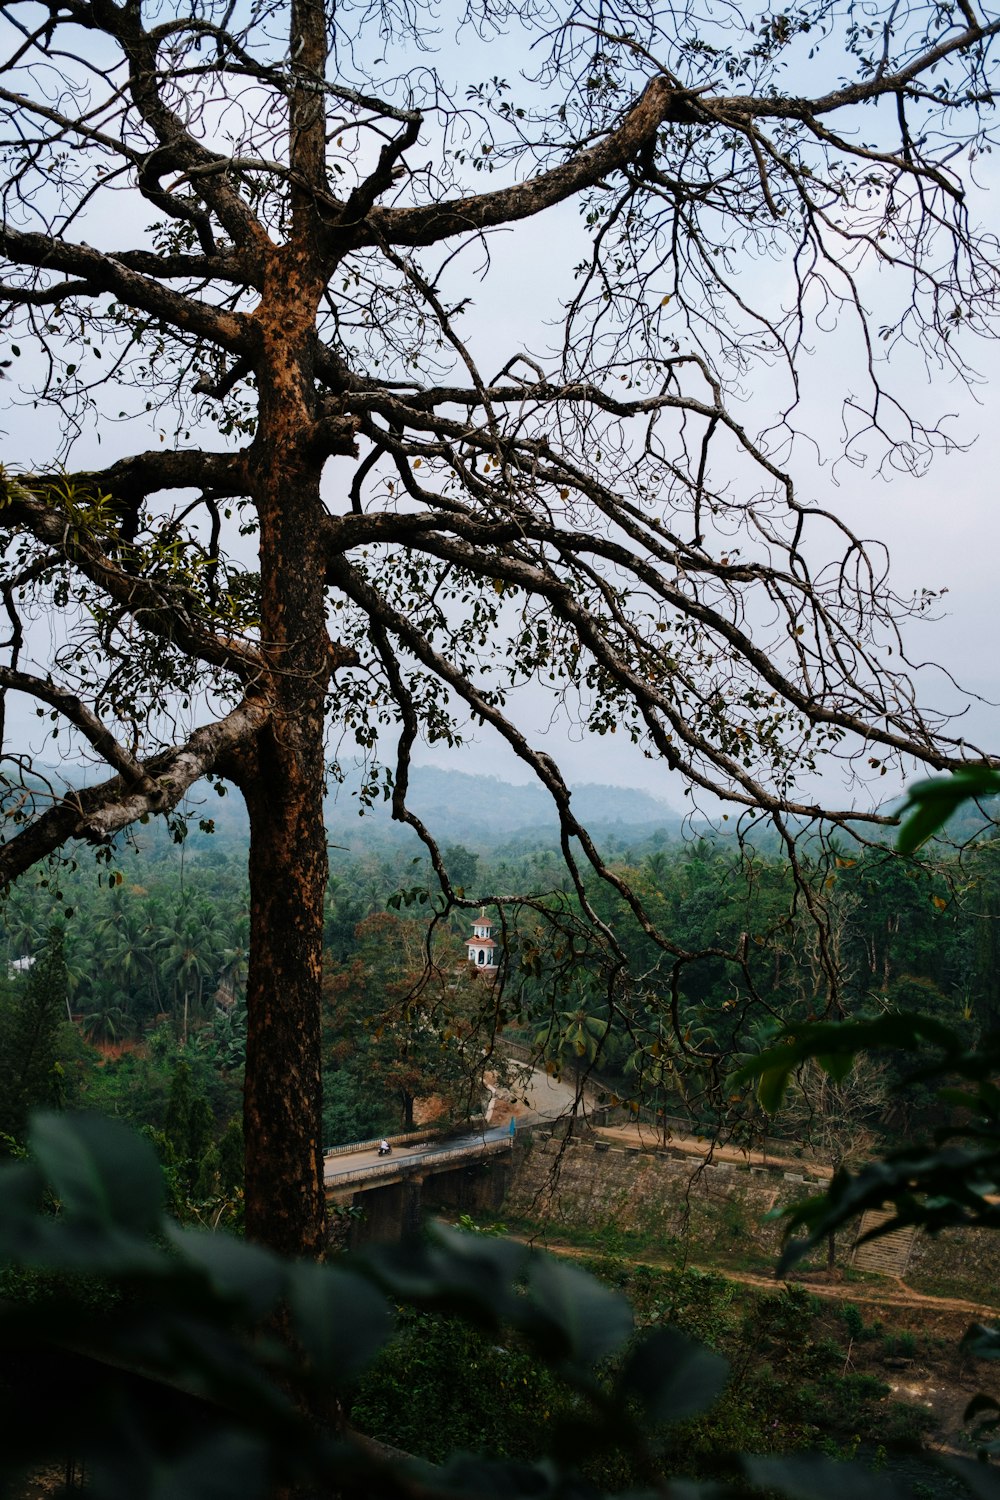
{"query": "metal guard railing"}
[(401, 1166)]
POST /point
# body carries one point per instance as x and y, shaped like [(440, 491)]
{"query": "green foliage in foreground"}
[(788, 1389), (949, 1179), (929, 804), (222, 1370)]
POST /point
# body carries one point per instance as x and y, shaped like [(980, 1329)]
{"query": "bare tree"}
[(252, 214)]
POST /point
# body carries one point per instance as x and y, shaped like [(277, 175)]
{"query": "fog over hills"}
[(482, 812), (485, 814)]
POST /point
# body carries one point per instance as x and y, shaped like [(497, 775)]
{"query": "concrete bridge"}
[(463, 1172)]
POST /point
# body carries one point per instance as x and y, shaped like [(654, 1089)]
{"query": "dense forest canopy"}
[(152, 968), (242, 231)]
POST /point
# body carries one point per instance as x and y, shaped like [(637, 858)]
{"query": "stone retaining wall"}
[(957, 1263), (665, 1194), (723, 1209)]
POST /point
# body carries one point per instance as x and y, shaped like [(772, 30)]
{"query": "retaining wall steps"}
[(889, 1255)]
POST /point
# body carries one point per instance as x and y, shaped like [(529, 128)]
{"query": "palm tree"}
[(105, 1020), (233, 973), (81, 971), (26, 925), (183, 964), (577, 1032)]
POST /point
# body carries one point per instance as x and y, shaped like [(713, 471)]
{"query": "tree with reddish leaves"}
[(409, 1030), (241, 228)]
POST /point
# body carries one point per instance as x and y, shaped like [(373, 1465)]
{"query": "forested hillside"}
[(124, 984)]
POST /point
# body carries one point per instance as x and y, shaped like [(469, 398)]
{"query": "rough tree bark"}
[(284, 792)]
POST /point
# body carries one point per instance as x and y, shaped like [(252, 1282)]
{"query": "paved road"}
[(410, 1153), (540, 1098)]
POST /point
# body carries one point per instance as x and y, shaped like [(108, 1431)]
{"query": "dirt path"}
[(888, 1292), (648, 1138), (892, 1294), (941, 1380)]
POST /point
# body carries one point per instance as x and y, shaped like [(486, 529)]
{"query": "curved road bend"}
[(542, 1098)]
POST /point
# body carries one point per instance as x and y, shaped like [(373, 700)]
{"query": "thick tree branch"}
[(158, 606), (178, 149), (97, 813), (103, 273), (132, 479), (660, 102), (880, 85), (83, 718)]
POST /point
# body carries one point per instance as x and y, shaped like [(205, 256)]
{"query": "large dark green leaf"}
[(591, 1320), (978, 1405), (981, 1480), (468, 1474), (934, 1188), (771, 1086), (227, 1466), (90, 1250), (100, 1171), (340, 1319), (21, 1188), (454, 1272), (835, 1044), (673, 1376), (931, 803), (247, 1273), (981, 1342), (812, 1476)]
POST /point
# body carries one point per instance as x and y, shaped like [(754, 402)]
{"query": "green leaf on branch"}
[(934, 1188), (771, 1086), (929, 804), (837, 1065), (834, 1045)]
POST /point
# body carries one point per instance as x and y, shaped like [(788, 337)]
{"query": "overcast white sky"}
[(941, 529)]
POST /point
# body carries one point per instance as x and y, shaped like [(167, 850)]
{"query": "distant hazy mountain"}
[(482, 810)]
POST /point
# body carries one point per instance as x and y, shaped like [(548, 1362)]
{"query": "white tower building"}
[(483, 951)]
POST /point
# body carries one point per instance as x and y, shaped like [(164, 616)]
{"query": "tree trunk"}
[(283, 786), (282, 1112)]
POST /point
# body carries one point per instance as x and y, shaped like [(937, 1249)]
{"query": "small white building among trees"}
[(483, 951)]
